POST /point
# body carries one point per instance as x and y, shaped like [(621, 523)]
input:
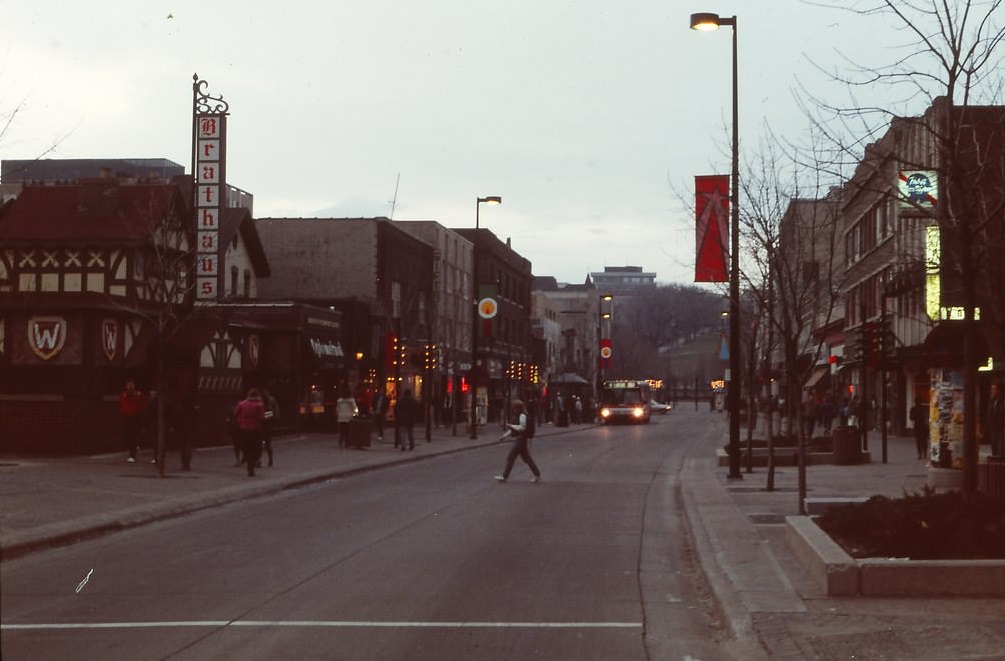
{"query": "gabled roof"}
[(239, 220), (96, 211)]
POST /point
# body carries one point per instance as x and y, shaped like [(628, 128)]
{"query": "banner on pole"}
[(711, 193)]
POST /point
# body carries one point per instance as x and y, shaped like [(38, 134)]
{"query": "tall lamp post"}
[(475, 320), (709, 21), (602, 348)]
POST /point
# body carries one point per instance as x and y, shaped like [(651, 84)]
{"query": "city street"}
[(425, 560)]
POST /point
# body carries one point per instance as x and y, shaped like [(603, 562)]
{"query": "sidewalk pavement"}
[(767, 600)]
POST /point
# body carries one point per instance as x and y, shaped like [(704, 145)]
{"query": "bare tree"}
[(162, 286), (790, 276)]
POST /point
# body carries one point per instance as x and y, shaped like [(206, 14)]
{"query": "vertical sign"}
[(711, 214), (209, 149)]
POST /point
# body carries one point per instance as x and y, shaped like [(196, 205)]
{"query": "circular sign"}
[(605, 352), (488, 308)]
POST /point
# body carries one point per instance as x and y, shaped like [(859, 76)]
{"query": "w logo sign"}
[(46, 336)]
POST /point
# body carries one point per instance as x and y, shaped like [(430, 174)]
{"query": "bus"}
[(625, 400)]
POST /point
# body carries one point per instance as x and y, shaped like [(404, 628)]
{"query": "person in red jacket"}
[(250, 418), (132, 406)]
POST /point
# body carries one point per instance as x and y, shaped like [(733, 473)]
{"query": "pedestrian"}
[(271, 416), (345, 410), (234, 432), (250, 417), (132, 409), (809, 415), (404, 419), (521, 443), (994, 421), (379, 413), (919, 419)]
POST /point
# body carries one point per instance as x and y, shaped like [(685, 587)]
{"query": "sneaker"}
[(536, 478), (500, 478), (131, 460), (153, 461)]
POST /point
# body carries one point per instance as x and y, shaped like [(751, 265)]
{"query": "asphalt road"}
[(431, 560)]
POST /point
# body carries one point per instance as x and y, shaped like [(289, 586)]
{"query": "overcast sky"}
[(588, 117)]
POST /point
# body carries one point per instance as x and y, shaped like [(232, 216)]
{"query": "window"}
[(247, 283), (233, 281)]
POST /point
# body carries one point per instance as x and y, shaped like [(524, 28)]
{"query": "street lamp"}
[(709, 21), (493, 200)]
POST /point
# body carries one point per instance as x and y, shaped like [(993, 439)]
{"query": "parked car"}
[(659, 407)]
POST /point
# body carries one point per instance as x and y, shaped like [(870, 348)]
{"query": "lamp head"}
[(491, 199), (705, 21), (709, 21)]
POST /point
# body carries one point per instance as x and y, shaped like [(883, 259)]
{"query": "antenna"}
[(394, 201)]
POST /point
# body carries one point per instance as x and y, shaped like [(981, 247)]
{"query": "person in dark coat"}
[(994, 422), (521, 443), (404, 419)]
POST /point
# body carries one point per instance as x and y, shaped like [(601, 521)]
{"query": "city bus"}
[(625, 400)]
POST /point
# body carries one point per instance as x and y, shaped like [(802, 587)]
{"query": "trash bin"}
[(991, 477), (359, 432), (847, 446)]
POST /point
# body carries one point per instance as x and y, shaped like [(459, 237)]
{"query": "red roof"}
[(99, 211)]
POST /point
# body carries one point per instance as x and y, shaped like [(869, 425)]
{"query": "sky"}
[(589, 118)]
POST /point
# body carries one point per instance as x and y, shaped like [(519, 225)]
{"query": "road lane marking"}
[(322, 623)]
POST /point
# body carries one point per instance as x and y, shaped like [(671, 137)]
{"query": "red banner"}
[(605, 353), (711, 205)]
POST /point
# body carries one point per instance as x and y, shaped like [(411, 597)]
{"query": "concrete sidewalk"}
[(766, 594), (768, 602)]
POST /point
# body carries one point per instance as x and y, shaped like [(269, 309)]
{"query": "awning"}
[(570, 378), (819, 374), (943, 347)]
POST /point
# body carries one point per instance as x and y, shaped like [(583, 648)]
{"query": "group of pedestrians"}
[(251, 421), (139, 414)]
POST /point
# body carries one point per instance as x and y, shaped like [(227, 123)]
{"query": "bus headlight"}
[(605, 413), (637, 412)]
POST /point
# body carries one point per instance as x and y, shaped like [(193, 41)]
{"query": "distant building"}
[(16, 172), (623, 279)]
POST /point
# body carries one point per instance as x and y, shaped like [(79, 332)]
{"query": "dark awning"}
[(943, 347), (819, 374)]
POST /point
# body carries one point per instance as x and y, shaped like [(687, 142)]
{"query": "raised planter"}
[(837, 573), (945, 479)]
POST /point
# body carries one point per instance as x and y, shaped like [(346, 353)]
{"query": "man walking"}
[(520, 448)]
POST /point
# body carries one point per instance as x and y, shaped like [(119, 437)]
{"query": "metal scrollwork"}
[(204, 103)]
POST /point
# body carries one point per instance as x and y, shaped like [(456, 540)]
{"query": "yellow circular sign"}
[(487, 308), (605, 352)]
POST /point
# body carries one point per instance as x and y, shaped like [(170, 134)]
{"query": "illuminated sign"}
[(919, 189)]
